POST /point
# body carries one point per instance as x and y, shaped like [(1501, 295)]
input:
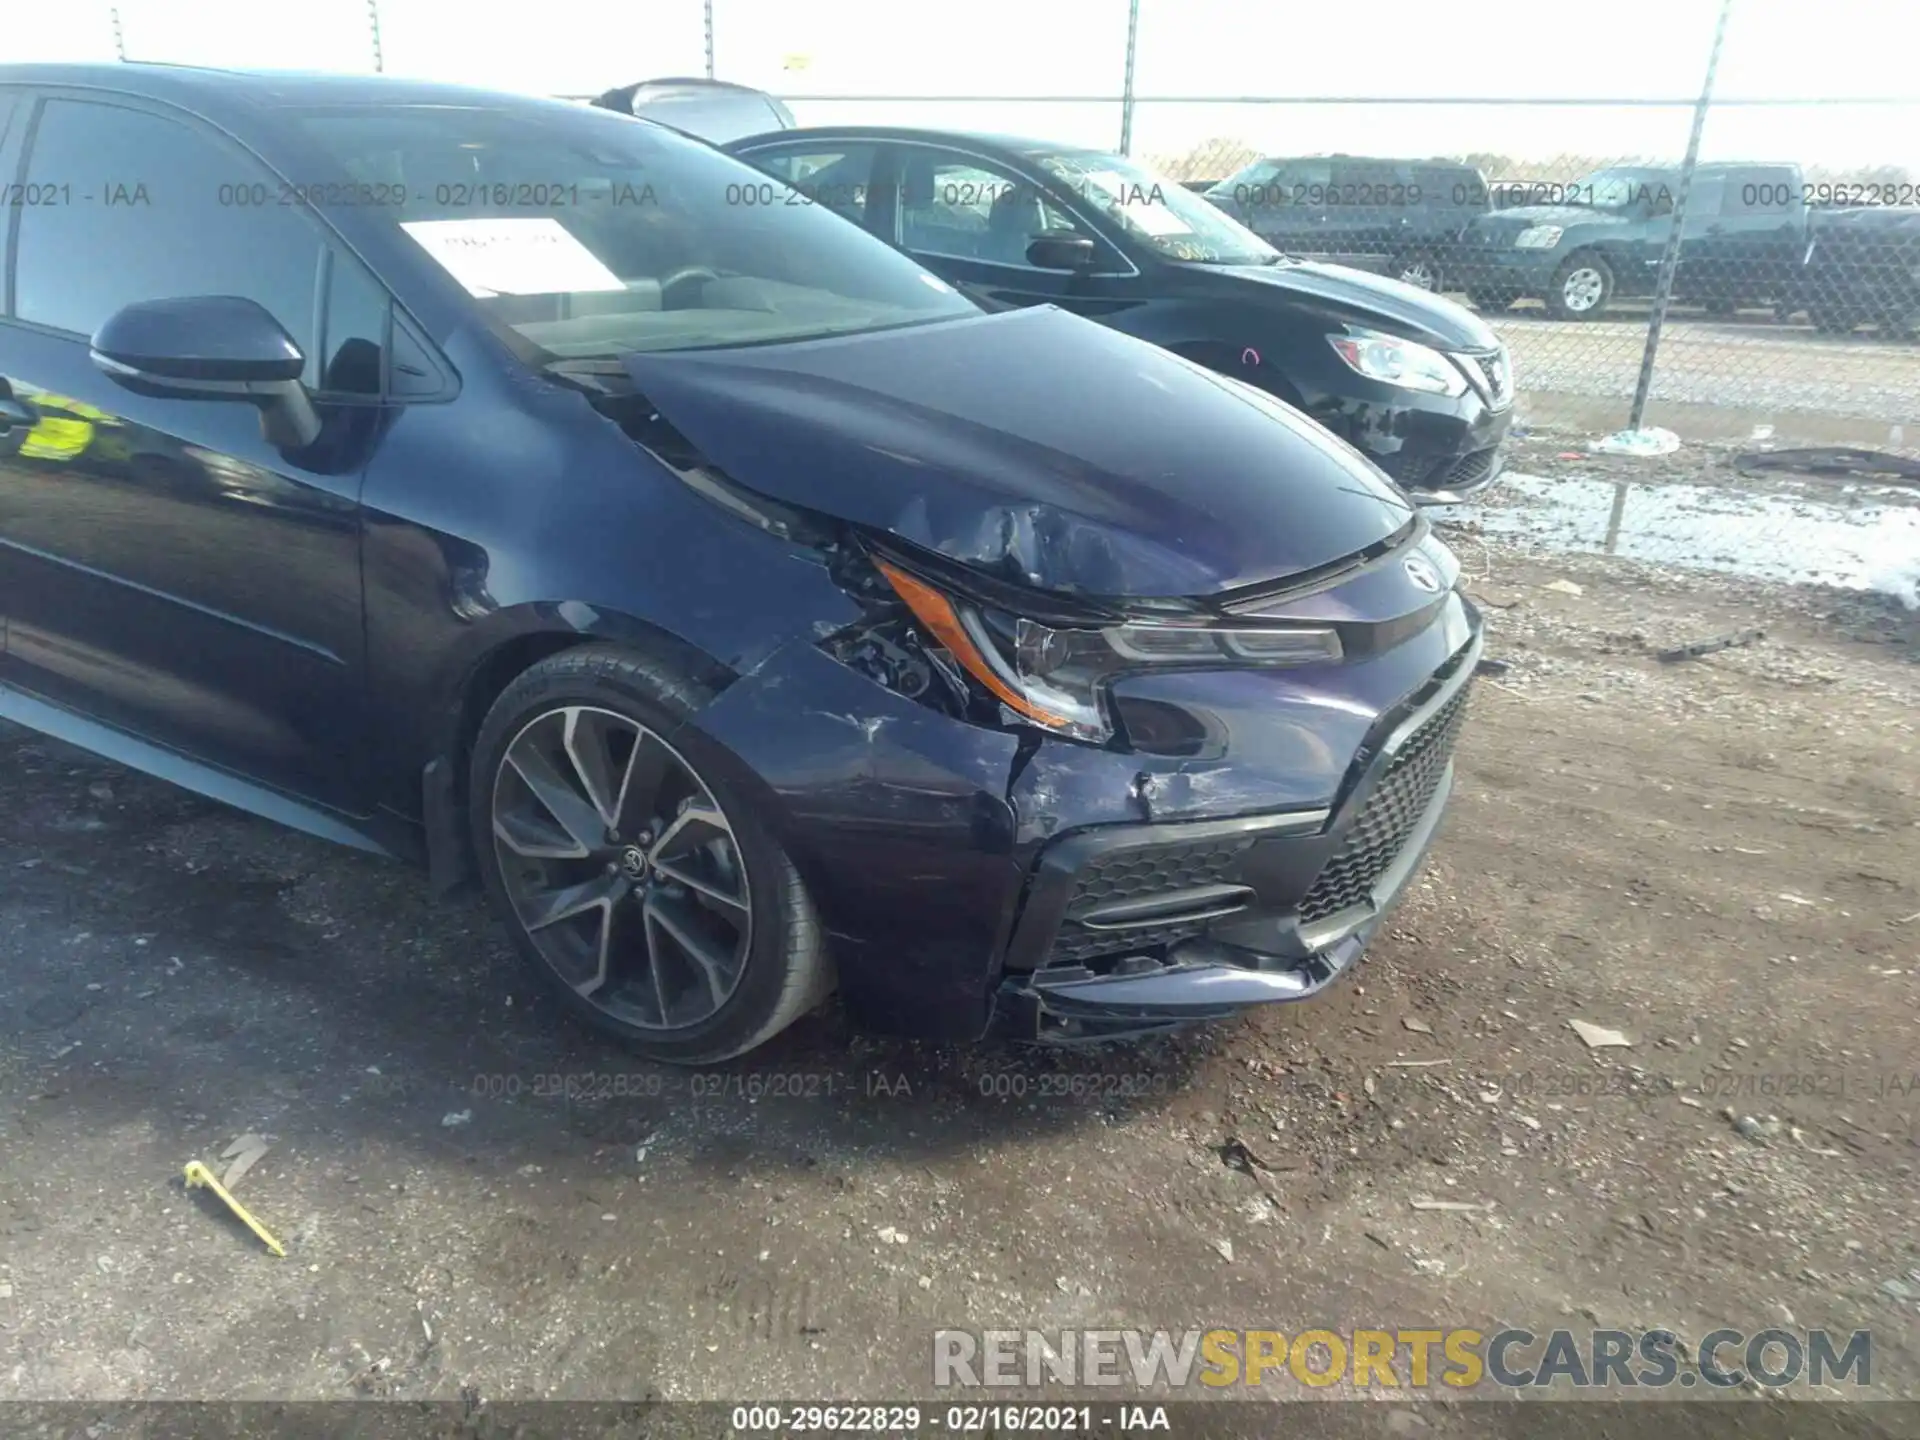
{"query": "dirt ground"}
[(1720, 858)]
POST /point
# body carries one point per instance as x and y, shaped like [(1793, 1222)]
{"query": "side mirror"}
[(1061, 252), (212, 347)]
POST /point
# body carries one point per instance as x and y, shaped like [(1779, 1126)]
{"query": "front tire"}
[(634, 878), (1419, 270), (1581, 288)]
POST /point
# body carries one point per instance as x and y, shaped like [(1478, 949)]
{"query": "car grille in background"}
[(1448, 474), (1467, 471), (1139, 874), (1389, 816)]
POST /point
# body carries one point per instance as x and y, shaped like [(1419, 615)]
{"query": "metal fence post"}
[(373, 22), (707, 13), (1126, 90), (1670, 253), (119, 40)]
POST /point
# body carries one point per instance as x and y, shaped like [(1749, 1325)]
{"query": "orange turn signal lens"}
[(936, 612)]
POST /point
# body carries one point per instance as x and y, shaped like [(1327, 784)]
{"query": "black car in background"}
[(1402, 218), (485, 481), (1418, 384), (712, 110), (1743, 240)]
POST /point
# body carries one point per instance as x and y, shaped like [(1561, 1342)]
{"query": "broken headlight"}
[(1056, 678)]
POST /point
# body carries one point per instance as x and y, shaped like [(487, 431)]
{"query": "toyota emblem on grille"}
[(1420, 570)]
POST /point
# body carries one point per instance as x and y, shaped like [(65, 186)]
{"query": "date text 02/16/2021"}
[(984, 1420)]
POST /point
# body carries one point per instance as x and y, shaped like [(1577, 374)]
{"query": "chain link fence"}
[(1794, 294), (1739, 267)]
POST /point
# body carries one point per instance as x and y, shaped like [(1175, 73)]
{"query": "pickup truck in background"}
[(1402, 218), (1743, 240)]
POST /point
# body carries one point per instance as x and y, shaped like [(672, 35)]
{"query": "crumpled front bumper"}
[(1230, 914)]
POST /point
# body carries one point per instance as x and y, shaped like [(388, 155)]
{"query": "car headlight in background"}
[(1055, 678), (1538, 237), (1443, 558), (1399, 362)]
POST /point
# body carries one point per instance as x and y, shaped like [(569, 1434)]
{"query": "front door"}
[(166, 569)]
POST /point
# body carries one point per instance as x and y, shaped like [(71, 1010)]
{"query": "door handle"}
[(15, 412)]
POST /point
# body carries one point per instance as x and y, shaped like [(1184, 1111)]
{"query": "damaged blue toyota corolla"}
[(534, 493)]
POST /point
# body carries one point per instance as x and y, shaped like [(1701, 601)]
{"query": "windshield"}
[(1620, 189), (588, 234), (1160, 213), (1257, 172)]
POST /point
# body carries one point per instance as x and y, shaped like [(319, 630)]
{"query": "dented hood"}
[(1034, 445)]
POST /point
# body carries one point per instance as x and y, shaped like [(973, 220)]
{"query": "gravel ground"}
[(1720, 858)]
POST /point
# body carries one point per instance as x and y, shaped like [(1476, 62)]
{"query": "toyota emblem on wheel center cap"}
[(1420, 570)]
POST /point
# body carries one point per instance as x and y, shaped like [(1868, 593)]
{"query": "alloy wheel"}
[(1583, 289), (1420, 273), (622, 867)]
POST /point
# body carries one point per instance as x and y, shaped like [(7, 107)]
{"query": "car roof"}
[(977, 139), (210, 91)]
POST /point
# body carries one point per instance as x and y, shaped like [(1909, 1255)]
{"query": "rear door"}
[(1751, 250), (166, 570)]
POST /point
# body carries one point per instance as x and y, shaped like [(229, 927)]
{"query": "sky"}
[(1286, 51)]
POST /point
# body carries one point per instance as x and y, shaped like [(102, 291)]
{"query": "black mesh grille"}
[(1139, 874), (1468, 471), (1419, 473), (1391, 812)]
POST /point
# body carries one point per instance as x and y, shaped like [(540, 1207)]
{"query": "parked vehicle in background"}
[(1861, 267), (1418, 384), (489, 481), (1509, 193), (712, 110), (1742, 240), (1401, 218)]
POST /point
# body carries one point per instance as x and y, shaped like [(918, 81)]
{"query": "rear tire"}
[(1581, 290), (632, 875)]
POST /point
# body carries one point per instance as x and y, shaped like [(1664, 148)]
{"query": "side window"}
[(835, 177), (159, 211), (1357, 182), (1445, 187), (353, 332), (1760, 192), (958, 206), (1705, 197), (1304, 182)]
